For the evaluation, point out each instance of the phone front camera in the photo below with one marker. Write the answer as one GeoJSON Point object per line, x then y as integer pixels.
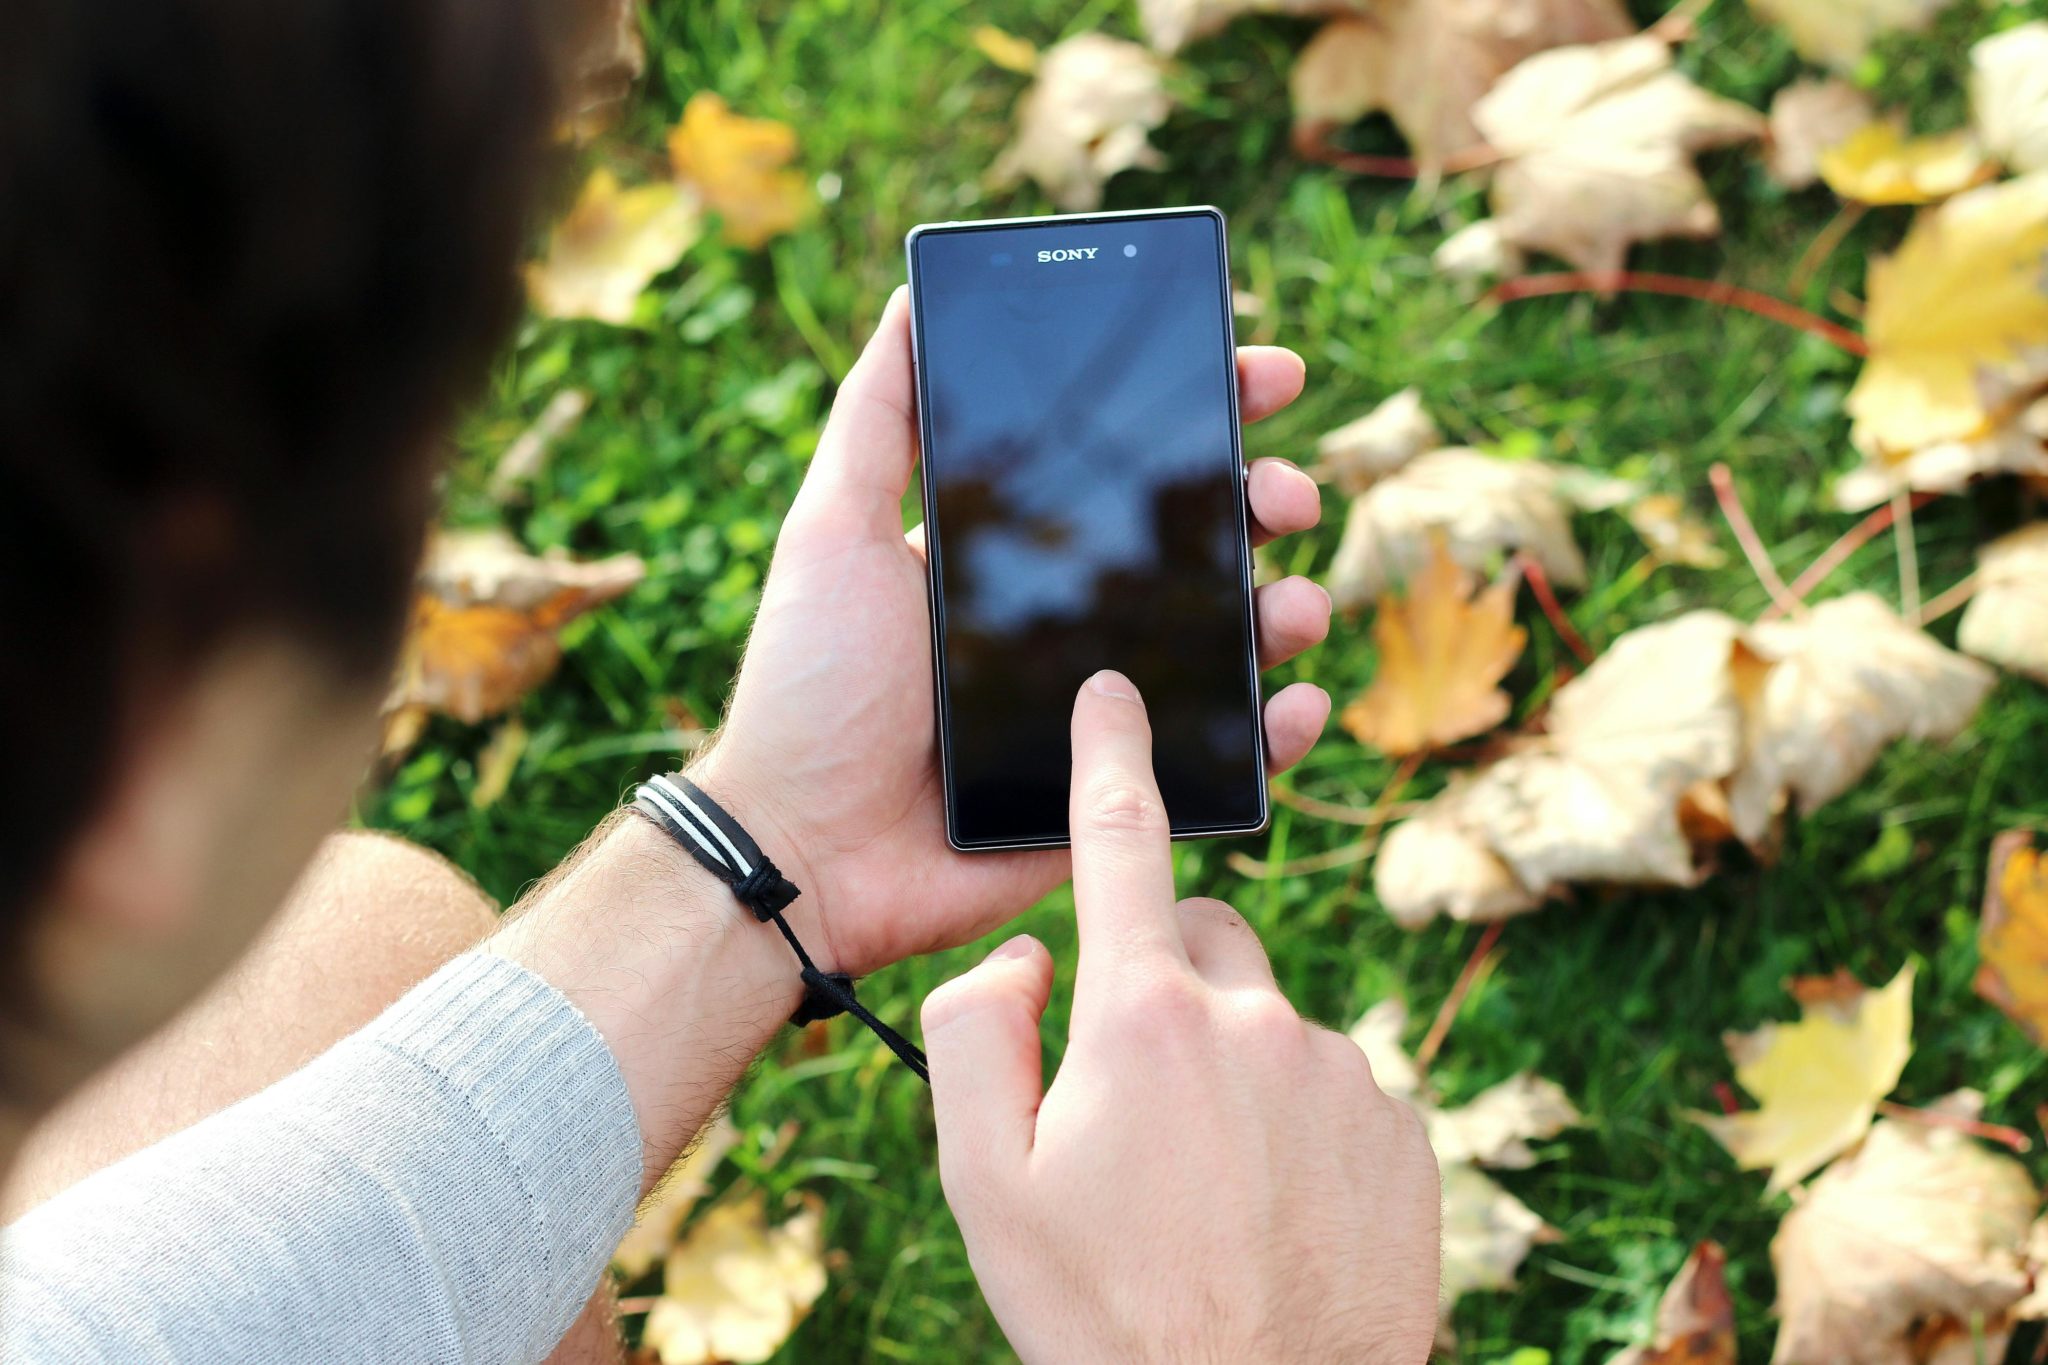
{"type": "Point", "coordinates": [1130, 248]}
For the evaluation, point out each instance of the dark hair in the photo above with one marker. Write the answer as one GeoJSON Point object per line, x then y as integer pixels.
{"type": "Point", "coordinates": [252, 254]}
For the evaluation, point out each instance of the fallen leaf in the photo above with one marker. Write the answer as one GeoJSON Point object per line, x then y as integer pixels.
{"type": "Point", "coordinates": [2012, 942]}
{"type": "Point", "coordinates": [1443, 650]}
{"type": "Point", "coordinates": [1673, 534]}
{"type": "Point", "coordinates": [1434, 863]}
{"type": "Point", "coordinates": [1497, 1125]}
{"type": "Point", "coordinates": [1171, 24]}
{"type": "Point", "coordinates": [1085, 118]}
{"type": "Point", "coordinates": [661, 1214]}
{"type": "Point", "coordinates": [1479, 505]}
{"type": "Point", "coordinates": [1428, 62]}
{"type": "Point", "coordinates": [2009, 96]}
{"type": "Point", "coordinates": [1842, 682]}
{"type": "Point", "coordinates": [1817, 1081]}
{"type": "Point", "coordinates": [484, 624]}
{"type": "Point", "coordinates": [1006, 50]}
{"type": "Point", "coordinates": [606, 56]}
{"type": "Point", "coordinates": [1838, 33]}
{"type": "Point", "coordinates": [1880, 164]}
{"type": "Point", "coordinates": [1695, 1318]}
{"type": "Point", "coordinates": [1478, 251]}
{"type": "Point", "coordinates": [613, 242]}
{"type": "Point", "coordinates": [1597, 144]}
{"type": "Point", "coordinates": [1957, 321]}
{"type": "Point", "coordinates": [1362, 452]}
{"type": "Point", "coordinates": [496, 763]}
{"type": "Point", "coordinates": [2006, 621]}
{"type": "Point", "coordinates": [735, 1287]}
{"type": "Point", "coordinates": [741, 167]}
{"type": "Point", "coordinates": [1487, 1234]}
{"type": "Point", "coordinates": [524, 458]}
{"type": "Point", "coordinates": [1378, 1035]}
{"type": "Point", "coordinates": [2017, 444]}
{"type": "Point", "coordinates": [1920, 1224]}
{"type": "Point", "coordinates": [1808, 117]}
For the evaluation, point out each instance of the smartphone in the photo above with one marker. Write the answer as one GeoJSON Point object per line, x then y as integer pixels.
{"type": "Point", "coordinates": [1084, 502]}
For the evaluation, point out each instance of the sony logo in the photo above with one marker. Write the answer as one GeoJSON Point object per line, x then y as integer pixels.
{"type": "Point", "coordinates": [1079, 253]}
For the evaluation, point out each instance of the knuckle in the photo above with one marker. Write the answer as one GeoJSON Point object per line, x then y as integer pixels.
{"type": "Point", "coordinates": [1168, 1007]}
{"type": "Point", "coordinates": [951, 1000]}
{"type": "Point", "coordinates": [1268, 1018]}
{"type": "Point", "coordinates": [1121, 805]}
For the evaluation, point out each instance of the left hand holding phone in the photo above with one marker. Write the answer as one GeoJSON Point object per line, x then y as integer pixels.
{"type": "Point", "coordinates": [1209, 1176]}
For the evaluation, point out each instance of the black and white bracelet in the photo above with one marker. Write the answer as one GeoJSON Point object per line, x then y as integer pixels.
{"type": "Point", "coordinates": [681, 809]}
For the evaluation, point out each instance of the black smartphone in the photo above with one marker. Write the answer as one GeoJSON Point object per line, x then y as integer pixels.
{"type": "Point", "coordinates": [1084, 500]}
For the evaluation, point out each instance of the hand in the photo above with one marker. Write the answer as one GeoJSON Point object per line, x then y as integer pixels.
{"type": "Point", "coordinates": [1209, 1177]}
{"type": "Point", "coordinates": [829, 753]}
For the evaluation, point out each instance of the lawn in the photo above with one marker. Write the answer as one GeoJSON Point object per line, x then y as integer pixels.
{"type": "Point", "coordinates": [699, 429]}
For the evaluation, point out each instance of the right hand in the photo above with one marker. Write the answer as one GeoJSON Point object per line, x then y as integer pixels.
{"type": "Point", "coordinates": [1209, 1177]}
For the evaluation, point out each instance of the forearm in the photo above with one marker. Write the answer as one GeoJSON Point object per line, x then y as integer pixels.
{"type": "Point", "coordinates": [677, 976]}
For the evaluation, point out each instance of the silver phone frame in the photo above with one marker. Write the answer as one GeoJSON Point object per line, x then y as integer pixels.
{"type": "Point", "coordinates": [934, 600]}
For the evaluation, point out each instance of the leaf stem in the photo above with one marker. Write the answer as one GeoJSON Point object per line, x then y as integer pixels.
{"type": "Point", "coordinates": [1440, 1027]}
{"type": "Point", "coordinates": [1941, 604]}
{"type": "Point", "coordinates": [1990, 1132]}
{"type": "Point", "coordinates": [1338, 813]}
{"type": "Point", "coordinates": [1851, 540]}
{"type": "Point", "coordinates": [1539, 584]}
{"type": "Point", "coordinates": [1382, 810]}
{"type": "Point", "coordinates": [1824, 245]}
{"type": "Point", "coordinates": [1909, 555]}
{"type": "Point", "coordinates": [1312, 142]}
{"type": "Point", "coordinates": [1752, 544]}
{"type": "Point", "coordinates": [1684, 287]}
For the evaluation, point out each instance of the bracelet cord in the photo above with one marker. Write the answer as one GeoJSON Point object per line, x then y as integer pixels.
{"type": "Point", "coordinates": [682, 810]}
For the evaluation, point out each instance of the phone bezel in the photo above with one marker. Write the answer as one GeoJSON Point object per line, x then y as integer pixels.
{"type": "Point", "coordinates": [934, 571]}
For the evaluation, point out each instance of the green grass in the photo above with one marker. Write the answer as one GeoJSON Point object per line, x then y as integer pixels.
{"type": "Point", "coordinates": [700, 427]}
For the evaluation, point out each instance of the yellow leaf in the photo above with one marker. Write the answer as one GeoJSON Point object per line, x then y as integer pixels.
{"type": "Point", "coordinates": [484, 623]}
{"type": "Point", "coordinates": [1838, 33]}
{"type": "Point", "coordinates": [612, 243]}
{"type": "Point", "coordinates": [1695, 1318]}
{"type": "Point", "coordinates": [1006, 50]}
{"type": "Point", "coordinates": [1880, 164]}
{"type": "Point", "coordinates": [496, 764]}
{"type": "Point", "coordinates": [1807, 118]}
{"type": "Point", "coordinates": [2009, 95]}
{"type": "Point", "coordinates": [1673, 534]}
{"type": "Point", "coordinates": [1957, 321]}
{"type": "Point", "coordinates": [1919, 1227]}
{"type": "Point", "coordinates": [1443, 651]}
{"type": "Point", "coordinates": [734, 1288]}
{"type": "Point", "coordinates": [2006, 622]}
{"type": "Point", "coordinates": [1084, 119]}
{"type": "Point", "coordinates": [661, 1213]}
{"type": "Point", "coordinates": [741, 167]}
{"type": "Point", "coordinates": [1817, 1081]}
{"type": "Point", "coordinates": [2013, 941]}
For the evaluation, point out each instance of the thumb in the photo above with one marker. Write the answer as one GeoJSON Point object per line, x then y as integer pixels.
{"type": "Point", "coordinates": [869, 446]}
{"type": "Point", "coordinates": [981, 1039]}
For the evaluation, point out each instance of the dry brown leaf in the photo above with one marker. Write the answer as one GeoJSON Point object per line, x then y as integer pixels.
{"type": "Point", "coordinates": [661, 1213]}
{"type": "Point", "coordinates": [1695, 1318]}
{"type": "Point", "coordinates": [1428, 62]}
{"type": "Point", "coordinates": [1881, 164]}
{"type": "Point", "coordinates": [1481, 506]}
{"type": "Point", "coordinates": [1918, 1224]}
{"type": "Point", "coordinates": [1496, 1126]}
{"type": "Point", "coordinates": [1085, 118]}
{"type": "Point", "coordinates": [612, 243]}
{"type": "Point", "coordinates": [1378, 1035]}
{"type": "Point", "coordinates": [1837, 33]}
{"type": "Point", "coordinates": [1807, 118]}
{"type": "Point", "coordinates": [741, 168]}
{"type": "Point", "coordinates": [1362, 452]}
{"type": "Point", "coordinates": [1673, 534]}
{"type": "Point", "coordinates": [1817, 1081]}
{"type": "Point", "coordinates": [527, 455]}
{"type": "Point", "coordinates": [484, 625]}
{"type": "Point", "coordinates": [735, 1287]}
{"type": "Point", "coordinates": [1434, 863]}
{"type": "Point", "coordinates": [1443, 650]}
{"type": "Point", "coordinates": [496, 762]}
{"type": "Point", "coordinates": [605, 57]}
{"type": "Point", "coordinates": [1172, 24]}
{"type": "Point", "coordinates": [1487, 1234]}
{"type": "Point", "coordinates": [2006, 622]}
{"type": "Point", "coordinates": [1478, 251]}
{"type": "Point", "coordinates": [1597, 144]}
{"type": "Point", "coordinates": [1843, 681]}
{"type": "Point", "coordinates": [2012, 942]}
{"type": "Point", "coordinates": [2009, 96]}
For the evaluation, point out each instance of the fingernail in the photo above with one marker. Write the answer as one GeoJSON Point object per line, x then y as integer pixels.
{"type": "Point", "coordinates": [1020, 946]}
{"type": "Point", "coordinates": [1110, 683]}
{"type": "Point", "coordinates": [1329, 604]}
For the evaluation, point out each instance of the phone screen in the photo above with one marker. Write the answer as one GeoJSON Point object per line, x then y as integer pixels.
{"type": "Point", "coordinates": [1085, 509]}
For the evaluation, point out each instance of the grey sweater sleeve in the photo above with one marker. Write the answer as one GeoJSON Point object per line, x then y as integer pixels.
{"type": "Point", "coordinates": [445, 1185]}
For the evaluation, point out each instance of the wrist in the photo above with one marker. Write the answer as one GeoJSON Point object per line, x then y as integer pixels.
{"type": "Point", "coordinates": [780, 833]}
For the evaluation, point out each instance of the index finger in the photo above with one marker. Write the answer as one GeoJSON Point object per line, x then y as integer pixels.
{"type": "Point", "coordinates": [1123, 862]}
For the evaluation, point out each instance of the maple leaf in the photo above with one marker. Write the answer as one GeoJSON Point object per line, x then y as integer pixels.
{"type": "Point", "coordinates": [1443, 650]}
{"type": "Point", "coordinates": [1478, 251]}
{"type": "Point", "coordinates": [605, 56]}
{"type": "Point", "coordinates": [1673, 534]}
{"type": "Point", "coordinates": [612, 243]}
{"type": "Point", "coordinates": [1808, 117]}
{"type": "Point", "coordinates": [1880, 164]}
{"type": "Point", "coordinates": [1597, 143]}
{"type": "Point", "coordinates": [1362, 452]}
{"type": "Point", "coordinates": [660, 1217]}
{"type": "Point", "coordinates": [735, 1287]}
{"type": "Point", "coordinates": [1817, 1081]}
{"type": "Point", "coordinates": [1085, 118]}
{"type": "Point", "coordinates": [2016, 444]}
{"type": "Point", "coordinates": [1477, 504]}
{"type": "Point", "coordinates": [1496, 1126]}
{"type": "Point", "coordinates": [741, 168]}
{"type": "Point", "coordinates": [2009, 95]}
{"type": "Point", "coordinates": [1695, 1318]}
{"type": "Point", "coordinates": [2012, 942]}
{"type": "Point", "coordinates": [1838, 33]}
{"type": "Point", "coordinates": [1378, 1035]}
{"type": "Point", "coordinates": [1957, 321]}
{"type": "Point", "coordinates": [1428, 62]}
{"type": "Point", "coordinates": [484, 625]}
{"type": "Point", "coordinates": [1839, 684]}
{"type": "Point", "coordinates": [2006, 621]}
{"type": "Point", "coordinates": [1918, 1227]}
{"type": "Point", "coordinates": [1171, 24]}
{"type": "Point", "coordinates": [1487, 1234]}
{"type": "Point", "coordinates": [1435, 863]}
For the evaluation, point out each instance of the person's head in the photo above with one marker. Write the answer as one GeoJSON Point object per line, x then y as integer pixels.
{"type": "Point", "coordinates": [251, 256]}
